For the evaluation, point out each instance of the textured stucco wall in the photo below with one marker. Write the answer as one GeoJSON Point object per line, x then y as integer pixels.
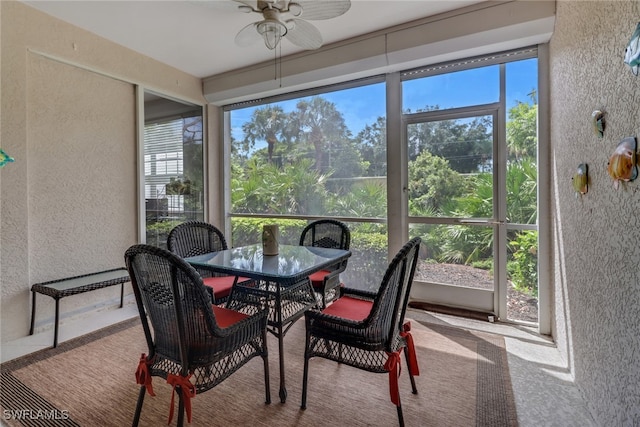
{"type": "Point", "coordinates": [597, 236]}
{"type": "Point", "coordinates": [68, 203]}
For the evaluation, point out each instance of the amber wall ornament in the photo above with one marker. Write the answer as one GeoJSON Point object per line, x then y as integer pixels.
{"type": "Point", "coordinates": [581, 179]}
{"type": "Point", "coordinates": [597, 120]}
{"type": "Point", "coordinates": [623, 164]}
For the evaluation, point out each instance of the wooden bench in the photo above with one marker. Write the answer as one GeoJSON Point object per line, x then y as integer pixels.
{"type": "Point", "coordinates": [58, 289]}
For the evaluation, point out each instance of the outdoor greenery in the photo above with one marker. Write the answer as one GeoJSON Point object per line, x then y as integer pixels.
{"type": "Point", "coordinates": [312, 165]}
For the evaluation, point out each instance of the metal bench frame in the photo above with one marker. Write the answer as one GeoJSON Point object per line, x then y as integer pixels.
{"type": "Point", "coordinates": [86, 283]}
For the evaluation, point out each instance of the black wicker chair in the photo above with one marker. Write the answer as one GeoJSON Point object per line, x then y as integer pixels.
{"type": "Point", "coordinates": [193, 344]}
{"type": "Point", "coordinates": [193, 238]}
{"type": "Point", "coordinates": [327, 233]}
{"type": "Point", "coordinates": [367, 330]}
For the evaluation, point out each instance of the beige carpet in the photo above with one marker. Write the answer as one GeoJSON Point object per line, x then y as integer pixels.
{"type": "Point", "coordinates": [90, 381]}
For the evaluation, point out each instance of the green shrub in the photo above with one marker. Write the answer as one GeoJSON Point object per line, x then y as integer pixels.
{"type": "Point", "coordinates": [523, 268]}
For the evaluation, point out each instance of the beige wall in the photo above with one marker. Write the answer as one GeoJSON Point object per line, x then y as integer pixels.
{"type": "Point", "coordinates": [596, 237]}
{"type": "Point", "coordinates": [68, 203]}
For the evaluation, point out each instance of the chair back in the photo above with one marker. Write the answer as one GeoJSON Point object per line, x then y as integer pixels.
{"type": "Point", "coordinates": [193, 238]}
{"type": "Point", "coordinates": [390, 304]}
{"type": "Point", "coordinates": [170, 294]}
{"type": "Point", "coordinates": [326, 233]}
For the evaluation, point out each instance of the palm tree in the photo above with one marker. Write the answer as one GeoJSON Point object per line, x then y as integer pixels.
{"type": "Point", "coordinates": [317, 121]}
{"type": "Point", "coordinates": [267, 124]}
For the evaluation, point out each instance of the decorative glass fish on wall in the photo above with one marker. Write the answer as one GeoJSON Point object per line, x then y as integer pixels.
{"type": "Point", "coordinates": [632, 52]}
{"type": "Point", "coordinates": [581, 179]}
{"type": "Point", "coordinates": [623, 162]}
{"type": "Point", "coordinates": [597, 120]}
{"type": "Point", "coordinates": [5, 158]}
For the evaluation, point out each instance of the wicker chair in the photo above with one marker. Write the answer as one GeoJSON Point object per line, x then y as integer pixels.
{"type": "Point", "coordinates": [327, 233]}
{"type": "Point", "coordinates": [367, 330]}
{"type": "Point", "coordinates": [193, 344]}
{"type": "Point", "coordinates": [193, 238]}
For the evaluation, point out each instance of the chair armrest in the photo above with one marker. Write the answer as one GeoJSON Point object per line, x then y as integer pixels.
{"type": "Point", "coordinates": [315, 315]}
{"type": "Point", "coordinates": [358, 293]}
{"type": "Point", "coordinates": [332, 279]}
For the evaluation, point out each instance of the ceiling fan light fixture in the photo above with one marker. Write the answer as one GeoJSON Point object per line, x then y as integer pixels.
{"type": "Point", "coordinates": [271, 31]}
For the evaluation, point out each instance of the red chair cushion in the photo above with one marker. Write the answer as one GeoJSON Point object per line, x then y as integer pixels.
{"type": "Point", "coordinates": [222, 285]}
{"type": "Point", "coordinates": [349, 308]}
{"type": "Point", "coordinates": [317, 278]}
{"type": "Point", "coordinates": [226, 317]}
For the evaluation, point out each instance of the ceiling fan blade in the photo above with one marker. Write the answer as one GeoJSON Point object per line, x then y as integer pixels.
{"type": "Point", "coordinates": [322, 9]}
{"type": "Point", "coordinates": [226, 5]}
{"type": "Point", "coordinates": [248, 35]}
{"type": "Point", "coordinates": [251, 3]}
{"type": "Point", "coordinates": [303, 34]}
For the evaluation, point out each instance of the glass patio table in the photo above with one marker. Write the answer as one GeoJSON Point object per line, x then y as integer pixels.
{"type": "Point", "coordinates": [280, 281]}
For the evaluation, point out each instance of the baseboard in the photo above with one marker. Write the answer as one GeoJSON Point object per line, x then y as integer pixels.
{"type": "Point", "coordinates": [453, 311]}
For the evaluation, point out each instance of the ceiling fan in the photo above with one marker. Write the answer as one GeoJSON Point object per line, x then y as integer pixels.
{"type": "Point", "coordinates": [287, 18]}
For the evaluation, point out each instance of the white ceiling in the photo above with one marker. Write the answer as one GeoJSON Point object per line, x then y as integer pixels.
{"type": "Point", "coordinates": [199, 39]}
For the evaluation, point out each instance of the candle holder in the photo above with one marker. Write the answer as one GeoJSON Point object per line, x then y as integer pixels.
{"type": "Point", "coordinates": [270, 236]}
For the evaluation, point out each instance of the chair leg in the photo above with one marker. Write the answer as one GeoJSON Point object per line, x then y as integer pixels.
{"type": "Point", "coordinates": [400, 417]}
{"type": "Point", "coordinates": [136, 417]}
{"type": "Point", "coordinates": [265, 359]}
{"type": "Point", "coordinates": [414, 389]}
{"type": "Point", "coordinates": [180, 407]}
{"type": "Point", "coordinates": [305, 375]}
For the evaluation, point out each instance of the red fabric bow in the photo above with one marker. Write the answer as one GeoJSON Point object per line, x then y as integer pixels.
{"type": "Point", "coordinates": [393, 367]}
{"type": "Point", "coordinates": [393, 364]}
{"type": "Point", "coordinates": [143, 376]}
{"type": "Point", "coordinates": [188, 391]}
{"type": "Point", "coordinates": [413, 358]}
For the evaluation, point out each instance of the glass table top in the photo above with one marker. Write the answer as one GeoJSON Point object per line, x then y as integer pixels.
{"type": "Point", "coordinates": [291, 262]}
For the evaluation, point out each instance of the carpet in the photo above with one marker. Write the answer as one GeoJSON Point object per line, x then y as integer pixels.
{"type": "Point", "coordinates": [464, 381]}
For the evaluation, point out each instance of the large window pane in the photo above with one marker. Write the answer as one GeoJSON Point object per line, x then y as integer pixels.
{"type": "Point", "coordinates": [315, 156]}
{"type": "Point", "coordinates": [173, 168]}
{"type": "Point", "coordinates": [522, 178]}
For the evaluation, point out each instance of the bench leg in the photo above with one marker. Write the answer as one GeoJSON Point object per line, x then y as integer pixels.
{"type": "Point", "coordinates": [121, 294]}
{"type": "Point", "coordinates": [33, 312]}
{"type": "Point", "coordinates": [55, 327]}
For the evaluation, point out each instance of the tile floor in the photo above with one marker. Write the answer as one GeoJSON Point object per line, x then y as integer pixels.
{"type": "Point", "coordinates": [544, 391]}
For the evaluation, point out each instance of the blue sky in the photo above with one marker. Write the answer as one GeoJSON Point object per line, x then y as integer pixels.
{"type": "Point", "coordinates": [362, 106]}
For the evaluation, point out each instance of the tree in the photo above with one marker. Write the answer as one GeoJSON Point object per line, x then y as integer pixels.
{"type": "Point", "coordinates": [267, 124]}
{"type": "Point", "coordinates": [318, 122]}
{"type": "Point", "coordinates": [432, 183]}
{"type": "Point", "coordinates": [522, 135]}
{"type": "Point", "coordinates": [372, 141]}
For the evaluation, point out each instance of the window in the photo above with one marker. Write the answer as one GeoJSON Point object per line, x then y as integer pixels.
{"type": "Point", "coordinates": [470, 129]}
{"type": "Point", "coordinates": [472, 165]}
{"type": "Point", "coordinates": [323, 155]}
{"type": "Point", "coordinates": [173, 168]}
